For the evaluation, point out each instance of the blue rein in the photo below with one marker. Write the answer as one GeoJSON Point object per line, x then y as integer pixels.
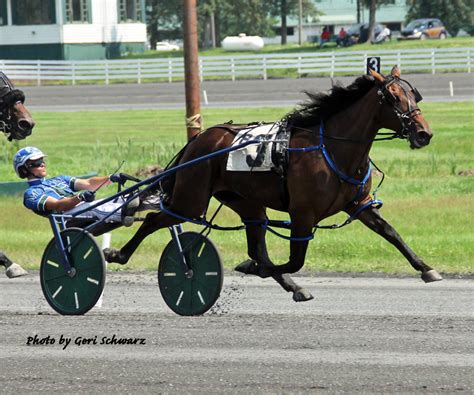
{"type": "Point", "coordinates": [266, 224]}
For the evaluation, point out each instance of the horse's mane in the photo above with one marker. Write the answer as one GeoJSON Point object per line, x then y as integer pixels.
{"type": "Point", "coordinates": [321, 106]}
{"type": "Point", "coordinates": [5, 84]}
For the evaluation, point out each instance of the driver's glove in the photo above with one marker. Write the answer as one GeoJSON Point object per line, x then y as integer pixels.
{"type": "Point", "coordinates": [86, 196]}
{"type": "Point", "coordinates": [118, 177]}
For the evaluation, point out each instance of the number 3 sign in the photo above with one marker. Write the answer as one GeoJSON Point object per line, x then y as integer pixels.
{"type": "Point", "coordinates": [373, 63]}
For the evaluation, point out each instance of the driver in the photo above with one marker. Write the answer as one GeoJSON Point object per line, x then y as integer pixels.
{"type": "Point", "coordinates": [62, 194]}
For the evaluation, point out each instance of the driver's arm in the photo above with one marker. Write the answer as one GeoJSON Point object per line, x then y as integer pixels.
{"type": "Point", "coordinates": [91, 184]}
{"type": "Point", "coordinates": [61, 205]}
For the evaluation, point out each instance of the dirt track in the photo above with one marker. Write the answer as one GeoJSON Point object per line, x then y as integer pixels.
{"type": "Point", "coordinates": [358, 334]}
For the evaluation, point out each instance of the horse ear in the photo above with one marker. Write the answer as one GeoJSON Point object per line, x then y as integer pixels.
{"type": "Point", "coordinates": [395, 72]}
{"type": "Point", "coordinates": [378, 77]}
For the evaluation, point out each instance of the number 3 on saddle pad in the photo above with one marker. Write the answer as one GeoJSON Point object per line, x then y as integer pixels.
{"type": "Point", "coordinates": [74, 295]}
{"type": "Point", "coordinates": [196, 293]}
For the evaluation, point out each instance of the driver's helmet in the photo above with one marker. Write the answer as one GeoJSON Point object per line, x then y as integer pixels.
{"type": "Point", "coordinates": [22, 156]}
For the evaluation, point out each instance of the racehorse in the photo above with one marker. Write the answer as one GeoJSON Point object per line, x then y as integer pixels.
{"type": "Point", "coordinates": [16, 123]}
{"type": "Point", "coordinates": [15, 119]}
{"type": "Point", "coordinates": [328, 171]}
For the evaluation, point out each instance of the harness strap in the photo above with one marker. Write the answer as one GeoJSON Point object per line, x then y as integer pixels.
{"type": "Point", "coordinates": [267, 224]}
{"type": "Point", "coordinates": [350, 180]}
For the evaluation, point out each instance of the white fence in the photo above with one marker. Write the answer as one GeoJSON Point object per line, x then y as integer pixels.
{"type": "Point", "coordinates": [232, 67]}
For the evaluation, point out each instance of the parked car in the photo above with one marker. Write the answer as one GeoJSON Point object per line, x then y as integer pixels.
{"type": "Point", "coordinates": [424, 28]}
{"type": "Point", "coordinates": [166, 46]}
{"type": "Point", "coordinates": [358, 33]}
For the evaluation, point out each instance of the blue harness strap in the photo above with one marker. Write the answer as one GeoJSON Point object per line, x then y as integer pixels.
{"type": "Point", "coordinates": [350, 180]}
{"type": "Point", "coordinates": [267, 224]}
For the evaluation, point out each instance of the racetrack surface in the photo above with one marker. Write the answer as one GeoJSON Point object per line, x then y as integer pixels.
{"type": "Point", "coordinates": [361, 334]}
{"type": "Point", "coordinates": [222, 94]}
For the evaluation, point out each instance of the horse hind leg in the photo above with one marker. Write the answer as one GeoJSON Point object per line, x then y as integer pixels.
{"type": "Point", "coordinates": [257, 251]}
{"type": "Point", "coordinates": [257, 248]}
{"type": "Point", "coordinates": [374, 221]}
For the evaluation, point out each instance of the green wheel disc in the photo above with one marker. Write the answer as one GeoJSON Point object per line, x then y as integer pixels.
{"type": "Point", "coordinates": [73, 295]}
{"type": "Point", "coordinates": [195, 295]}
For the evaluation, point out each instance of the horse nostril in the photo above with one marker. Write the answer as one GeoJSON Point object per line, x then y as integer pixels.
{"type": "Point", "coordinates": [25, 125]}
{"type": "Point", "coordinates": [424, 137]}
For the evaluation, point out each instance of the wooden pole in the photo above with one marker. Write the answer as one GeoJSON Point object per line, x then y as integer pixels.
{"type": "Point", "coordinates": [191, 70]}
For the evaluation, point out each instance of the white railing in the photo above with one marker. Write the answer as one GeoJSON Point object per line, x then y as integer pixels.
{"type": "Point", "coordinates": [232, 67]}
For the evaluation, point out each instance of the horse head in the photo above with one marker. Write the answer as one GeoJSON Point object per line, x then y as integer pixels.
{"type": "Point", "coordinates": [401, 98]}
{"type": "Point", "coordinates": [15, 119]}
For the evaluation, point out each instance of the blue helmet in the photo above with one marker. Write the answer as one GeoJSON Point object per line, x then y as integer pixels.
{"type": "Point", "coordinates": [23, 155]}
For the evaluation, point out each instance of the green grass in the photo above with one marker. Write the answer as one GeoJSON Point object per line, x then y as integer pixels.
{"type": "Point", "coordinates": [425, 199]}
{"type": "Point", "coordinates": [274, 49]}
{"type": "Point", "coordinates": [314, 47]}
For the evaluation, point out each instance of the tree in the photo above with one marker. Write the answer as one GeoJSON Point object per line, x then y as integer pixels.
{"type": "Point", "coordinates": [372, 9]}
{"type": "Point", "coordinates": [372, 5]}
{"type": "Point", "coordinates": [289, 8]}
{"type": "Point", "coordinates": [234, 17]}
{"type": "Point", "coordinates": [455, 14]}
{"type": "Point", "coordinates": [163, 15]}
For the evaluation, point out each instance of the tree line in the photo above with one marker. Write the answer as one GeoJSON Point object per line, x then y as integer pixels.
{"type": "Point", "coordinates": [221, 18]}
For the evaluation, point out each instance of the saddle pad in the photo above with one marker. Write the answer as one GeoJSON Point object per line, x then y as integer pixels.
{"type": "Point", "coordinates": [254, 157]}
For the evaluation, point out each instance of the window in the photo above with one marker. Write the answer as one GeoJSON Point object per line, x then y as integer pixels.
{"type": "Point", "coordinates": [3, 12]}
{"type": "Point", "coordinates": [130, 10]}
{"type": "Point", "coordinates": [33, 12]}
{"type": "Point", "coordinates": [77, 11]}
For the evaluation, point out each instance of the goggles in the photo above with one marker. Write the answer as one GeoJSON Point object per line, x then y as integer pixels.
{"type": "Point", "coordinates": [34, 163]}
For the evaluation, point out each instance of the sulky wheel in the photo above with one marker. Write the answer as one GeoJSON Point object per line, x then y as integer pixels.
{"type": "Point", "coordinates": [197, 294]}
{"type": "Point", "coordinates": [78, 294]}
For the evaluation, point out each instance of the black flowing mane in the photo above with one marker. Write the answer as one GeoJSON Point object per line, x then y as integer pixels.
{"type": "Point", "coordinates": [322, 106]}
{"type": "Point", "coordinates": [5, 84]}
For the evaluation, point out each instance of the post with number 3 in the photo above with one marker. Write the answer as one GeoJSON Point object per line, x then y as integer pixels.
{"type": "Point", "coordinates": [373, 62]}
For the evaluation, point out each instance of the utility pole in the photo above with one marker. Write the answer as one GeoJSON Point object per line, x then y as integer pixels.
{"type": "Point", "coordinates": [300, 22]}
{"type": "Point", "coordinates": [191, 70]}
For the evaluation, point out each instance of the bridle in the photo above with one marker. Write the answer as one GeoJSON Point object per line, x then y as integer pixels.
{"type": "Point", "coordinates": [405, 117]}
{"type": "Point", "coordinates": [9, 97]}
{"type": "Point", "coordinates": [385, 96]}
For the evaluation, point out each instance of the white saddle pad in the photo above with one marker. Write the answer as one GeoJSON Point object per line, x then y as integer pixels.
{"type": "Point", "coordinates": [253, 157]}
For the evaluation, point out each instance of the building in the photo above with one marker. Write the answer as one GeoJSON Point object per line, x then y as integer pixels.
{"type": "Point", "coordinates": [71, 29]}
{"type": "Point", "coordinates": [343, 13]}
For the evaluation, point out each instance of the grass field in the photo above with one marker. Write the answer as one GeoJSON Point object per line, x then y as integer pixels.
{"type": "Point", "coordinates": [425, 198]}
{"type": "Point", "coordinates": [314, 47]}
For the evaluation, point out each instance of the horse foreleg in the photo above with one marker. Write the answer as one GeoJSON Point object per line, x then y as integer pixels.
{"type": "Point", "coordinates": [373, 220]}
{"type": "Point", "coordinates": [152, 223]}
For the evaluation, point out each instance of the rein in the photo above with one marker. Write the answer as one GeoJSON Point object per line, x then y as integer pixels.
{"type": "Point", "coordinates": [406, 121]}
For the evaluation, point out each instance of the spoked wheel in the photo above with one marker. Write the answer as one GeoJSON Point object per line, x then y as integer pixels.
{"type": "Point", "coordinates": [195, 294]}
{"type": "Point", "coordinates": [78, 294]}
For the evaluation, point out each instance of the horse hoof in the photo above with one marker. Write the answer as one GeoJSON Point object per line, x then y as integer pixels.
{"type": "Point", "coordinates": [15, 270]}
{"type": "Point", "coordinates": [112, 255]}
{"type": "Point", "coordinates": [302, 295]}
{"type": "Point", "coordinates": [247, 267]}
{"type": "Point", "coordinates": [430, 276]}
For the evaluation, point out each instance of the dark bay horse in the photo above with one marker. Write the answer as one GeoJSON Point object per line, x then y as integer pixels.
{"type": "Point", "coordinates": [15, 119]}
{"type": "Point", "coordinates": [332, 176]}
{"type": "Point", "coordinates": [16, 123]}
